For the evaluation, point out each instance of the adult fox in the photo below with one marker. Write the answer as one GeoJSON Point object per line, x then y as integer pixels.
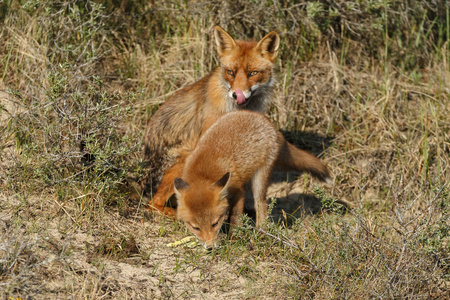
{"type": "Point", "coordinates": [244, 80]}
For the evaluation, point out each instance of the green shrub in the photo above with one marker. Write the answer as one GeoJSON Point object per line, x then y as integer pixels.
{"type": "Point", "coordinates": [74, 138]}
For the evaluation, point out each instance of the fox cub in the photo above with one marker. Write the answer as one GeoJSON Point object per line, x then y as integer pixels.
{"type": "Point", "coordinates": [240, 147]}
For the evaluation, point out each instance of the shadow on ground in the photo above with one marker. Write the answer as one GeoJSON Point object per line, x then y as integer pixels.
{"type": "Point", "coordinates": [309, 141]}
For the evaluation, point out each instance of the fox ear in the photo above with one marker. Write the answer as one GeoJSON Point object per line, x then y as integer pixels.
{"type": "Point", "coordinates": [224, 41]}
{"type": "Point", "coordinates": [269, 44]}
{"type": "Point", "coordinates": [180, 185]}
{"type": "Point", "coordinates": [223, 183]}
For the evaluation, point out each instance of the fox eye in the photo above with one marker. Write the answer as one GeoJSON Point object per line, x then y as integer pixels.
{"type": "Point", "coordinates": [252, 73]}
{"type": "Point", "coordinates": [193, 227]}
{"type": "Point", "coordinates": [229, 72]}
{"type": "Point", "coordinates": [215, 224]}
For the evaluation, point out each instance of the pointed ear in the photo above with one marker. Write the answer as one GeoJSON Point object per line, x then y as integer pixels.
{"type": "Point", "coordinates": [269, 44]}
{"type": "Point", "coordinates": [223, 184]}
{"type": "Point", "coordinates": [225, 43]}
{"type": "Point", "coordinates": [180, 185]}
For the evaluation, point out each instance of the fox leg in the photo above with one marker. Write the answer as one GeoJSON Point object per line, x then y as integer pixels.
{"type": "Point", "coordinates": [237, 210]}
{"type": "Point", "coordinates": [291, 158]}
{"type": "Point", "coordinates": [166, 190]}
{"type": "Point", "coordinates": [259, 188]}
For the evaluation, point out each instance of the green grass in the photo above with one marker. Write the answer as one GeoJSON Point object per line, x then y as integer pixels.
{"type": "Point", "coordinates": [363, 83]}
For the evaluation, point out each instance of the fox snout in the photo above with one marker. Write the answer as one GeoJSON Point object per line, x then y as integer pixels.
{"type": "Point", "coordinates": [210, 245]}
{"type": "Point", "coordinates": [240, 96]}
{"type": "Point", "coordinates": [208, 239]}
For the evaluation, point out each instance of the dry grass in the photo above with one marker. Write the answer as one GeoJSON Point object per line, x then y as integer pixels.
{"type": "Point", "coordinates": [364, 84]}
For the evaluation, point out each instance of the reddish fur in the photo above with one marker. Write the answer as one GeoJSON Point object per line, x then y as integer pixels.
{"type": "Point", "coordinates": [191, 111]}
{"type": "Point", "coordinates": [247, 153]}
{"type": "Point", "coordinates": [185, 117]}
{"type": "Point", "coordinates": [226, 158]}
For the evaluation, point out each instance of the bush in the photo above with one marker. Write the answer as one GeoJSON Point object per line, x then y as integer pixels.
{"type": "Point", "coordinates": [73, 137]}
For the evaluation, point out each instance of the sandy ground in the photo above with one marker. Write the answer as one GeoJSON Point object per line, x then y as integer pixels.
{"type": "Point", "coordinates": [55, 258]}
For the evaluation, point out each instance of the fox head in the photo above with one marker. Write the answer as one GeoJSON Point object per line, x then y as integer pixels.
{"type": "Point", "coordinates": [203, 207]}
{"type": "Point", "coordinates": [246, 65]}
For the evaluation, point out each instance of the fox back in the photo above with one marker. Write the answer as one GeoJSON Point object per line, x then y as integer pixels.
{"type": "Point", "coordinates": [240, 143]}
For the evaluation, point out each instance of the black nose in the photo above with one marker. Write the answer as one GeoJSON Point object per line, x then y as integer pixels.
{"type": "Point", "coordinates": [234, 95]}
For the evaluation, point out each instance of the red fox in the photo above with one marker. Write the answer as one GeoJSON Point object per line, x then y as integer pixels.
{"type": "Point", "coordinates": [243, 81]}
{"type": "Point", "coordinates": [240, 147]}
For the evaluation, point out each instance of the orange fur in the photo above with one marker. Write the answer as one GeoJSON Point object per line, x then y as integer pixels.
{"type": "Point", "coordinates": [192, 110]}
{"type": "Point", "coordinates": [240, 147]}
{"type": "Point", "coordinates": [174, 130]}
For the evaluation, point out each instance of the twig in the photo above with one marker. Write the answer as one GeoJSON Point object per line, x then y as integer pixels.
{"type": "Point", "coordinates": [62, 207]}
{"type": "Point", "coordinates": [288, 243]}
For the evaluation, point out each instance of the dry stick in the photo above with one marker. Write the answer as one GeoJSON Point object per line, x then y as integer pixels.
{"type": "Point", "coordinates": [277, 238]}
{"type": "Point", "coordinates": [62, 207]}
{"type": "Point", "coordinates": [296, 270]}
{"type": "Point", "coordinates": [284, 242]}
{"type": "Point", "coordinates": [13, 264]}
{"type": "Point", "coordinates": [316, 268]}
{"type": "Point", "coordinates": [76, 174]}
{"type": "Point", "coordinates": [141, 199]}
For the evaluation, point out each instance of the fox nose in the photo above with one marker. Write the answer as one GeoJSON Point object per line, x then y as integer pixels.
{"type": "Point", "coordinates": [239, 94]}
{"type": "Point", "coordinates": [209, 245]}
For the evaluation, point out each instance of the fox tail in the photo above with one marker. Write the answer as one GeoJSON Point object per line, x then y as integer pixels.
{"type": "Point", "coordinates": [293, 159]}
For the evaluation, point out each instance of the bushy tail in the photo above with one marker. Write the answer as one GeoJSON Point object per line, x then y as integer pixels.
{"type": "Point", "coordinates": [293, 159]}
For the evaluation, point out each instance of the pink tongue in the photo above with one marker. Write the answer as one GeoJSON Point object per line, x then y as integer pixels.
{"type": "Point", "coordinates": [240, 98]}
